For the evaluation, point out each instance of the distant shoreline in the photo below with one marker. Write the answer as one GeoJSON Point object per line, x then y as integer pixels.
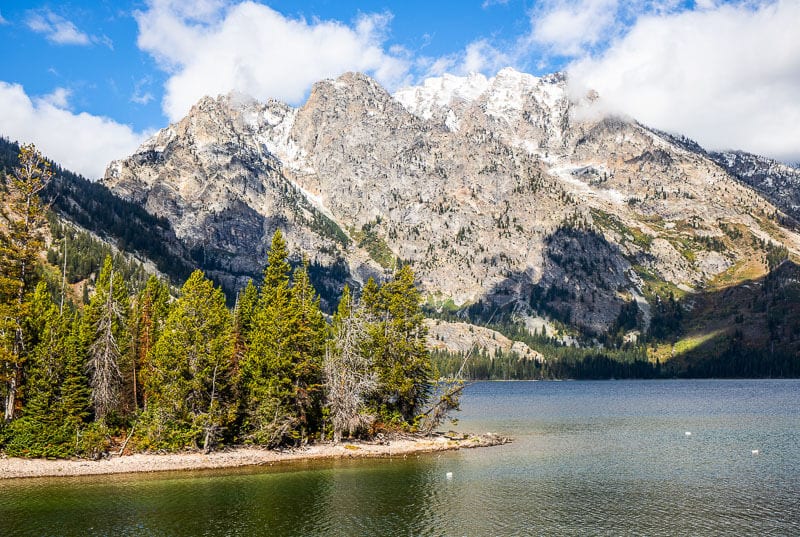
{"type": "Point", "coordinates": [19, 468]}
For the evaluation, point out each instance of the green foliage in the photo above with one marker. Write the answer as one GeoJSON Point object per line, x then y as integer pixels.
{"type": "Point", "coordinates": [282, 365]}
{"type": "Point", "coordinates": [86, 254]}
{"type": "Point", "coordinates": [397, 344]}
{"type": "Point", "coordinates": [151, 308]}
{"type": "Point", "coordinates": [605, 220]}
{"type": "Point", "coordinates": [776, 254]}
{"type": "Point", "coordinates": [20, 244]}
{"type": "Point", "coordinates": [368, 239]}
{"type": "Point", "coordinates": [189, 390]}
{"type": "Point", "coordinates": [56, 395]}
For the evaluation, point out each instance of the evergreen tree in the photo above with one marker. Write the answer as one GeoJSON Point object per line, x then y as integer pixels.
{"type": "Point", "coordinates": [308, 335]}
{"type": "Point", "coordinates": [397, 343]}
{"type": "Point", "coordinates": [150, 313]}
{"type": "Point", "coordinates": [281, 370]}
{"type": "Point", "coordinates": [276, 273]}
{"type": "Point", "coordinates": [107, 339]}
{"type": "Point", "coordinates": [243, 313]}
{"type": "Point", "coordinates": [56, 392]}
{"type": "Point", "coordinates": [188, 391]}
{"type": "Point", "coordinates": [23, 213]}
{"type": "Point", "coordinates": [266, 368]}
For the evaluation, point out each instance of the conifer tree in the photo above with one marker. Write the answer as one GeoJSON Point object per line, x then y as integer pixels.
{"type": "Point", "coordinates": [281, 370]}
{"type": "Point", "coordinates": [55, 391]}
{"type": "Point", "coordinates": [107, 339]}
{"type": "Point", "coordinates": [266, 368]}
{"type": "Point", "coordinates": [397, 343]}
{"type": "Point", "coordinates": [243, 313]}
{"type": "Point", "coordinates": [308, 336]}
{"type": "Point", "coordinates": [189, 391]}
{"type": "Point", "coordinates": [24, 217]}
{"type": "Point", "coordinates": [150, 313]}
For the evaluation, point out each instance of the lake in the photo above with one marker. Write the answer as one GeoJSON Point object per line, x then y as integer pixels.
{"type": "Point", "coordinates": [588, 458]}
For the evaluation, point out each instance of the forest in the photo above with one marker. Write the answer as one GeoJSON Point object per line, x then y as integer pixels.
{"type": "Point", "coordinates": [147, 370]}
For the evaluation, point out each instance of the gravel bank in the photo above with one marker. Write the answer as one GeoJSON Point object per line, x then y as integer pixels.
{"type": "Point", "coordinates": [233, 457]}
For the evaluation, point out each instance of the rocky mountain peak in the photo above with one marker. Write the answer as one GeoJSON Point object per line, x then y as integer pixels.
{"type": "Point", "coordinates": [491, 188]}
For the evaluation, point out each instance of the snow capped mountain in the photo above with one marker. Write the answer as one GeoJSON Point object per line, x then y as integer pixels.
{"type": "Point", "coordinates": [503, 97]}
{"type": "Point", "coordinates": [439, 92]}
{"type": "Point", "coordinates": [491, 188]}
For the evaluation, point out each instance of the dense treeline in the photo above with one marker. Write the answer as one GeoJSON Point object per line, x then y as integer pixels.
{"type": "Point", "coordinates": [150, 371]}
{"type": "Point", "coordinates": [95, 208]}
{"type": "Point", "coordinates": [564, 363]}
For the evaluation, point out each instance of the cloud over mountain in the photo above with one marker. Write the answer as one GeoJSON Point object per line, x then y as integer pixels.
{"type": "Point", "coordinates": [725, 75]}
{"type": "Point", "coordinates": [254, 49]}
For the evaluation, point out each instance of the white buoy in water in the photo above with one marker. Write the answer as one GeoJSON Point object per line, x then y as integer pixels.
{"type": "Point", "coordinates": [688, 433]}
{"type": "Point", "coordinates": [754, 452]}
{"type": "Point", "coordinates": [449, 475]}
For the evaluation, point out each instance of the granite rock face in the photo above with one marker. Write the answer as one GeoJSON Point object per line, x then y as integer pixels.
{"type": "Point", "coordinates": [503, 190]}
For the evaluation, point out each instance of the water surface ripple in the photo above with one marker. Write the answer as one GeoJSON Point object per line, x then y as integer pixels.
{"type": "Point", "coordinates": [589, 458]}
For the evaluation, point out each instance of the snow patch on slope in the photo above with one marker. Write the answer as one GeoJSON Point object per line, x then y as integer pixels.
{"type": "Point", "coordinates": [439, 92]}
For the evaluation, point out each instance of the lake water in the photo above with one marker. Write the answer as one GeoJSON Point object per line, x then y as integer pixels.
{"type": "Point", "coordinates": [589, 458]}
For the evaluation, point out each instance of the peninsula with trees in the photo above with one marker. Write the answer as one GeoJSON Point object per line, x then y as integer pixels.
{"type": "Point", "coordinates": [161, 370]}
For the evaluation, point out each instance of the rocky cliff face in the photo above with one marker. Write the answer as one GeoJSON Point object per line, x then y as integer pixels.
{"type": "Point", "coordinates": [498, 191]}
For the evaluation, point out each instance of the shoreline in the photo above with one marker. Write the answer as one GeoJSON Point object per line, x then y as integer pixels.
{"type": "Point", "coordinates": [236, 457]}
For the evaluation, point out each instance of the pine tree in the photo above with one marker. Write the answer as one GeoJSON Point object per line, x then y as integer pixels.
{"type": "Point", "coordinates": [281, 370]}
{"type": "Point", "coordinates": [243, 313]}
{"type": "Point", "coordinates": [266, 368]}
{"type": "Point", "coordinates": [150, 313]}
{"type": "Point", "coordinates": [276, 273]}
{"type": "Point", "coordinates": [189, 391]}
{"type": "Point", "coordinates": [55, 390]}
{"type": "Point", "coordinates": [308, 335]}
{"type": "Point", "coordinates": [24, 216]}
{"type": "Point", "coordinates": [397, 343]}
{"type": "Point", "coordinates": [107, 339]}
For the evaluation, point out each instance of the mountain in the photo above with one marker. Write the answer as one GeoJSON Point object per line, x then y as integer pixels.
{"type": "Point", "coordinates": [776, 181]}
{"type": "Point", "coordinates": [506, 196]}
{"type": "Point", "coordinates": [100, 222]}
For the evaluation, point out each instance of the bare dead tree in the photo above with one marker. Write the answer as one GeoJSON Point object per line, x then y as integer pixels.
{"type": "Point", "coordinates": [104, 357]}
{"type": "Point", "coordinates": [349, 377]}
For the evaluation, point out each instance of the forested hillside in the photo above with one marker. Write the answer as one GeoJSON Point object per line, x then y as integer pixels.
{"type": "Point", "coordinates": [144, 370]}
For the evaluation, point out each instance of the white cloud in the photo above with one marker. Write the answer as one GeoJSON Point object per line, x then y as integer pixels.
{"type": "Point", "coordinates": [59, 98]}
{"type": "Point", "coordinates": [491, 3]}
{"type": "Point", "coordinates": [214, 48]}
{"type": "Point", "coordinates": [80, 142]}
{"type": "Point", "coordinates": [567, 27]}
{"type": "Point", "coordinates": [2, 20]}
{"type": "Point", "coordinates": [56, 28]}
{"type": "Point", "coordinates": [726, 76]}
{"type": "Point", "coordinates": [140, 94]}
{"type": "Point", "coordinates": [477, 57]}
{"type": "Point", "coordinates": [142, 98]}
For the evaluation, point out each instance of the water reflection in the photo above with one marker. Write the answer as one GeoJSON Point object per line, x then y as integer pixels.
{"type": "Point", "coordinates": [588, 458]}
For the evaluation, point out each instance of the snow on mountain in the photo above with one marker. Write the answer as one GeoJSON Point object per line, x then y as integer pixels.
{"type": "Point", "coordinates": [439, 92]}
{"type": "Point", "coordinates": [505, 96]}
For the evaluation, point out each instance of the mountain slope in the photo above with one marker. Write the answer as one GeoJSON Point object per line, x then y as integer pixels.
{"type": "Point", "coordinates": [502, 193]}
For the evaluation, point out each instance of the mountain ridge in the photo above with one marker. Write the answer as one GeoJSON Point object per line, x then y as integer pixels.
{"type": "Point", "coordinates": [495, 190]}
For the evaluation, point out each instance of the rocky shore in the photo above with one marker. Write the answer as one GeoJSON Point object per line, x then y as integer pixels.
{"type": "Point", "coordinates": [241, 456]}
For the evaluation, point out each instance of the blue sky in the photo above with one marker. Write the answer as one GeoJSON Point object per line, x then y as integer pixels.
{"type": "Point", "coordinates": [87, 81]}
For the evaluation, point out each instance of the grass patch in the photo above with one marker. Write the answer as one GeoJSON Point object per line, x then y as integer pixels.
{"type": "Point", "coordinates": [746, 269]}
{"type": "Point", "coordinates": [654, 286]}
{"type": "Point", "coordinates": [608, 221]}
{"type": "Point", "coordinates": [368, 239]}
{"type": "Point", "coordinates": [690, 343]}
